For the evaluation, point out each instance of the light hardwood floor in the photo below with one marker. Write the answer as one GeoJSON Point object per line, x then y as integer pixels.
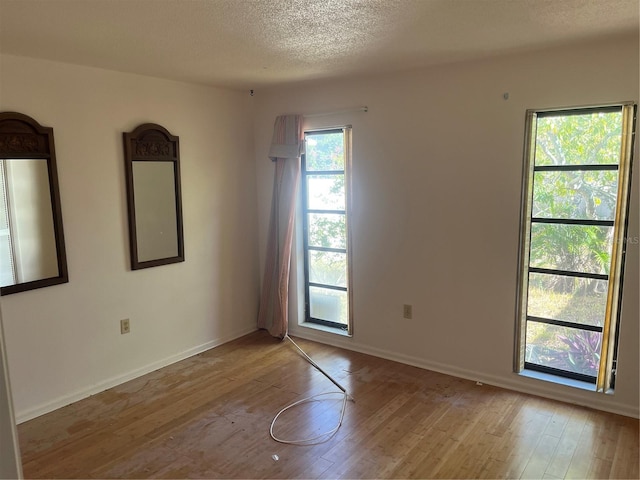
{"type": "Point", "coordinates": [209, 416]}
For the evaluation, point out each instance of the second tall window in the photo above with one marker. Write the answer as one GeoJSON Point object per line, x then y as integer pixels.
{"type": "Point", "coordinates": [325, 201]}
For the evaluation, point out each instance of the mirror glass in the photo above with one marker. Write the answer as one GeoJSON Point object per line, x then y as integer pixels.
{"type": "Point", "coordinates": [153, 196]}
{"type": "Point", "coordinates": [31, 239]}
{"type": "Point", "coordinates": [155, 204]}
{"type": "Point", "coordinates": [27, 238]}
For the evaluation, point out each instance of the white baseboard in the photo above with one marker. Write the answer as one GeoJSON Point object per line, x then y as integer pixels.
{"type": "Point", "coordinates": [64, 400]}
{"type": "Point", "coordinates": [514, 381]}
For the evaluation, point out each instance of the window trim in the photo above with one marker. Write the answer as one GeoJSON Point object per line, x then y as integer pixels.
{"type": "Point", "coordinates": [605, 380]}
{"type": "Point", "coordinates": [608, 358]}
{"type": "Point", "coordinates": [339, 328]}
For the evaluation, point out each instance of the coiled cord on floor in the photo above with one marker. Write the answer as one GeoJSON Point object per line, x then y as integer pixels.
{"type": "Point", "coordinates": [323, 437]}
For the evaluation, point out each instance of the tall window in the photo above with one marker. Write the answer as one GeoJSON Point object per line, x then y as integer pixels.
{"type": "Point", "coordinates": [325, 203]}
{"type": "Point", "coordinates": [575, 202]}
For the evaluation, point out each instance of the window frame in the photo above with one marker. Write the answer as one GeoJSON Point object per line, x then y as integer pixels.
{"type": "Point", "coordinates": [336, 326]}
{"type": "Point", "coordinates": [605, 379]}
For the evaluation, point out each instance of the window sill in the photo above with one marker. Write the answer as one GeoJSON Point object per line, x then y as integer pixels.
{"type": "Point", "coordinates": [325, 328]}
{"type": "Point", "coordinates": [547, 377]}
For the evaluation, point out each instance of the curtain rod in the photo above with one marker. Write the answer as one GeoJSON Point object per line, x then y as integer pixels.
{"type": "Point", "coordinates": [348, 110]}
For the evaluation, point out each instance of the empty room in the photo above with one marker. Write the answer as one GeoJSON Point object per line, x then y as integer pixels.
{"type": "Point", "coordinates": [319, 239]}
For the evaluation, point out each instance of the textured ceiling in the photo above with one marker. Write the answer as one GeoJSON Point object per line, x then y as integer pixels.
{"type": "Point", "coordinates": [257, 43]}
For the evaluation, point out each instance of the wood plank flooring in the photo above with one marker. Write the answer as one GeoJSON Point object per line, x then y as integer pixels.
{"type": "Point", "coordinates": [209, 416]}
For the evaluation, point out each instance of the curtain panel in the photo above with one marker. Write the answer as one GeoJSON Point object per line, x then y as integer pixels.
{"type": "Point", "coordinates": [286, 148]}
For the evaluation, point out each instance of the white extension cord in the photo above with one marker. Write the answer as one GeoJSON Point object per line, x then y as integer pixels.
{"type": "Point", "coordinates": [323, 437]}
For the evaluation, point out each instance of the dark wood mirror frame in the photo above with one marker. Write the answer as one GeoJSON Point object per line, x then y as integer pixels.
{"type": "Point", "coordinates": [150, 142]}
{"type": "Point", "coordinates": [21, 137]}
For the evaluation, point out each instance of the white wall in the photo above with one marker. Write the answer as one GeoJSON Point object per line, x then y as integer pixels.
{"type": "Point", "coordinates": [437, 171]}
{"type": "Point", "coordinates": [64, 341]}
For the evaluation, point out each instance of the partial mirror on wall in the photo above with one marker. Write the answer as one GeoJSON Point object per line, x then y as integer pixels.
{"type": "Point", "coordinates": [32, 251]}
{"type": "Point", "coordinates": [152, 168]}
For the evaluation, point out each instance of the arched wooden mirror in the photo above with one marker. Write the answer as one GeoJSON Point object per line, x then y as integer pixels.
{"type": "Point", "coordinates": [152, 168]}
{"type": "Point", "coordinates": [32, 252]}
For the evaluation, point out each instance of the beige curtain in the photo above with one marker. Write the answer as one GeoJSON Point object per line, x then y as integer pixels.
{"type": "Point", "coordinates": [285, 151]}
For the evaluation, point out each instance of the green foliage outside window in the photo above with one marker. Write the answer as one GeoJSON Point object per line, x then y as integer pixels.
{"type": "Point", "coordinates": [584, 139]}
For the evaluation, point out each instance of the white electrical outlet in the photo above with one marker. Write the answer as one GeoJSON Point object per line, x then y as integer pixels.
{"type": "Point", "coordinates": [125, 327]}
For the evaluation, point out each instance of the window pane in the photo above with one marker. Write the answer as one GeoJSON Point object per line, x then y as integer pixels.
{"type": "Point", "coordinates": [325, 192]}
{"type": "Point", "coordinates": [574, 248]}
{"type": "Point", "coordinates": [568, 349]}
{"type": "Point", "coordinates": [324, 152]}
{"type": "Point", "coordinates": [589, 195]}
{"type": "Point", "coordinates": [579, 300]}
{"type": "Point", "coordinates": [592, 138]}
{"type": "Point", "coordinates": [327, 230]}
{"type": "Point", "coordinates": [329, 268]}
{"type": "Point", "coordinates": [330, 305]}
